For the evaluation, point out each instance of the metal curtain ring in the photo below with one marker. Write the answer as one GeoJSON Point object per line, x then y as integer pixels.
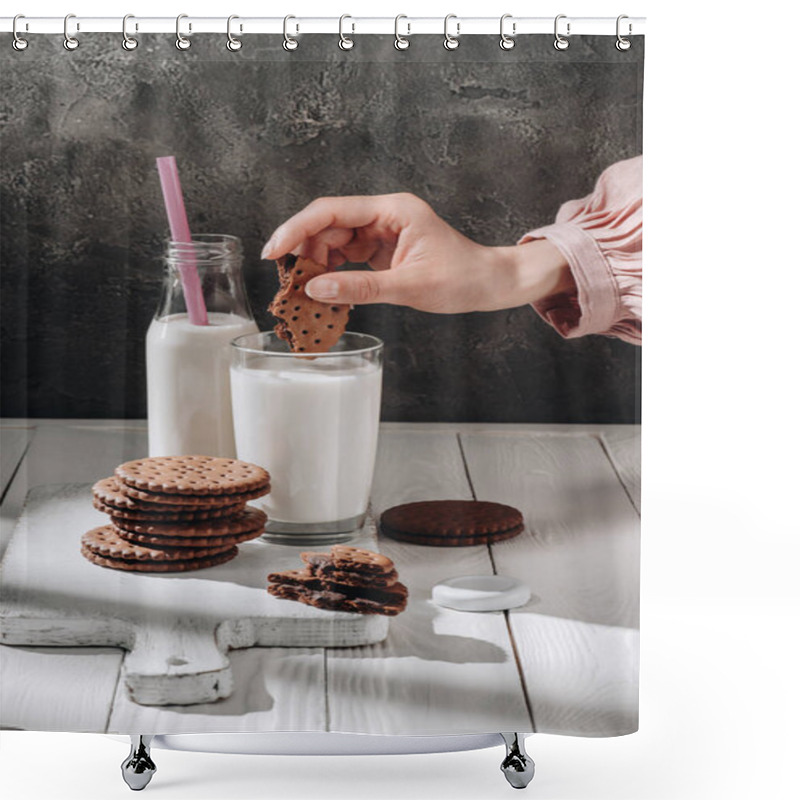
{"type": "Point", "coordinates": [128, 42]}
{"type": "Point", "coordinates": [18, 42]}
{"type": "Point", "coordinates": [560, 43]}
{"type": "Point", "coordinates": [345, 42]}
{"type": "Point", "coordinates": [288, 42]}
{"type": "Point", "coordinates": [233, 44]}
{"type": "Point", "coordinates": [451, 42]}
{"type": "Point", "coordinates": [506, 40]}
{"type": "Point", "coordinates": [70, 42]}
{"type": "Point", "coordinates": [622, 43]}
{"type": "Point", "coordinates": [181, 42]}
{"type": "Point", "coordinates": [401, 42]}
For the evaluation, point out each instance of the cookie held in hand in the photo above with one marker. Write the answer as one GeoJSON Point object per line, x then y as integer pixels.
{"type": "Point", "coordinates": [306, 324]}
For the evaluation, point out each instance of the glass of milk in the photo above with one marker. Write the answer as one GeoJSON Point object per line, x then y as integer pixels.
{"type": "Point", "coordinates": [312, 422]}
{"type": "Point", "coordinates": [188, 366]}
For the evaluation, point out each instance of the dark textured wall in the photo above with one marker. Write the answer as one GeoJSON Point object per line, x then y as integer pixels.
{"type": "Point", "coordinates": [495, 141]}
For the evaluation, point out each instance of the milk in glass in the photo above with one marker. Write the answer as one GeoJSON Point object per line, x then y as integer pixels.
{"type": "Point", "coordinates": [312, 423]}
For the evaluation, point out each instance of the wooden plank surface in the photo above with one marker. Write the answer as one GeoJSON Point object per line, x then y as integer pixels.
{"type": "Point", "coordinates": [57, 689]}
{"type": "Point", "coordinates": [70, 453]}
{"type": "Point", "coordinates": [586, 633]}
{"type": "Point", "coordinates": [577, 637]}
{"type": "Point", "coordinates": [624, 447]}
{"type": "Point", "coordinates": [439, 670]}
{"type": "Point", "coordinates": [13, 444]}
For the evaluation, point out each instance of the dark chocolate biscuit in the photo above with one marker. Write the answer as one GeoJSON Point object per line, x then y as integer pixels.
{"type": "Point", "coordinates": [452, 523]}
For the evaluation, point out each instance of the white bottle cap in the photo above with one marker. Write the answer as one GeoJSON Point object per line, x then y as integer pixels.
{"type": "Point", "coordinates": [481, 593]}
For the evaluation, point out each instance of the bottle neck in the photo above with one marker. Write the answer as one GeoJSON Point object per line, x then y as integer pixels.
{"type": "Point", "coordinates": [217, 261]}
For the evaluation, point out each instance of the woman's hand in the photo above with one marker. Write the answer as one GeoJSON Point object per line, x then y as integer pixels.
{"type": "Point", "coordinates": [417, 259]}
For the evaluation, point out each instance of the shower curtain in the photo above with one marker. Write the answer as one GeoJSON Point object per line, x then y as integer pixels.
{"type": "Point", "coordinates": [520, 394]}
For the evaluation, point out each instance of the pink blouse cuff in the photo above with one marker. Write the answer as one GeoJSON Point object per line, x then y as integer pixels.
{"type": "Point", "coordinates": [598, 292]}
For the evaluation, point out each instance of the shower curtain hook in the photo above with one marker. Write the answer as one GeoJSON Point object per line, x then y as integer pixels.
{"type": "Point", "coordinates": [18, 42]}
{"type": "Point", "coordinates": [289, 43]}
{"type": "Point", "coordinates": [181, 42]}
{"type": "Point", "coordinates": [401, 42]}
{"type": "Point", "coordinates": [622, 43]}
{"type": "Point", "coordinates": [345, 42]}
{"type": "Point", "coordinates": [233, 44]}
{"type": "Point", "coordinates": [70, 42]}
{"type": "Point", "coordinates": [506, 40]}
{"type": "Point", "coordinates": [561, 43]}
{"type": "Point", "coordinates": [451, 42]}
{"type": "Point", "coordinates": [128, 41]}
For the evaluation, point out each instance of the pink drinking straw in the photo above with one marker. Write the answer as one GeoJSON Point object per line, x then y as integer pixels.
{"type": "Point", "coordinates": [179, 230]}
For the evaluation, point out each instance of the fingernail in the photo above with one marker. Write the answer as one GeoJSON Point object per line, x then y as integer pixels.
{"type": "Point", "coordinates": [267, 251]}
{"type": "Point", "coordinates": [322, 289]}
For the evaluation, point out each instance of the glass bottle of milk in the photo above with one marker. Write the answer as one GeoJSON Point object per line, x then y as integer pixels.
{"type": "Point", "coordinates": [188, 376]}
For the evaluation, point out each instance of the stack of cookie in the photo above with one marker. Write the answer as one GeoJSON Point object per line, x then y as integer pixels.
{"type": "Point", "coordinates": [346, 579]}
{"type": "Point", "coordinates": [175, 513]}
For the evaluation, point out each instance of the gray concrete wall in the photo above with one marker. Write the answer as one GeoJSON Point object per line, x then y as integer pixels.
{"type": "Point", "coordinates": [494, 140]}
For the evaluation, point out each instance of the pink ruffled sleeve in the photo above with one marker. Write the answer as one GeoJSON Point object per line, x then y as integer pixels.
{"type": "Point", "coordinates": [601, 238]}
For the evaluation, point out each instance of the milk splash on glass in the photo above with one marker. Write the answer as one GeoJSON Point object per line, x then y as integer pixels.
{"type": "Point", "coordinates": [188, 365]}
{"type": "Point", "coordinates": [312, 423]}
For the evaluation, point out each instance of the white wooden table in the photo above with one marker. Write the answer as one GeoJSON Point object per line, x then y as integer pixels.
{"type": "Point", "coordinates": [567, 662]}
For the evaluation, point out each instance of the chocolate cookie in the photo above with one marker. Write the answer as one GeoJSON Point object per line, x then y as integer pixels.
{"type": "Point", "coordinates": [308, 325]}
{"type": "Point", "coordinates": [333, 601]}
{"type": "Point", "coordinates": [347, 579]}
{"type": "Point", "coordinates": [175, 513]}
{"type": "Point", "coordinates": [181, 501]}
{"type": "Point", "coordinates": [252, 520]}
{"type": "Point", "coordinates": [185, 565]}
{"type": "Point", "coordinates": [451, 523]}
{"type": "Point", "coordinates": [198, 476]}
{"type": "Point", "coordinates": [107, 543]}
{"type": "Point", "coordinates": [321, 565]}
{"type": "Point", "coordinates": [111, 493]}
{"type": "Point", "coordinates": [177, 541]}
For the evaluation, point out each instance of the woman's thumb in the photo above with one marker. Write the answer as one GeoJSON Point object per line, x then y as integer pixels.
{"type": "Point", "coordinates": [355, 287]}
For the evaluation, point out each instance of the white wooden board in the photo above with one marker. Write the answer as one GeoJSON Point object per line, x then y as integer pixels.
{"type": "Point", "coordinates": [578, 636]}
{"type": "Point", "coordinates": [439, 670]}
{"type": "Point", "coordinates": [177, 627]}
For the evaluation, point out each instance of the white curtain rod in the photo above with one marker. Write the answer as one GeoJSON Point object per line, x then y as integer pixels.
{"type": "Point", "coordinates": [407, 26]}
